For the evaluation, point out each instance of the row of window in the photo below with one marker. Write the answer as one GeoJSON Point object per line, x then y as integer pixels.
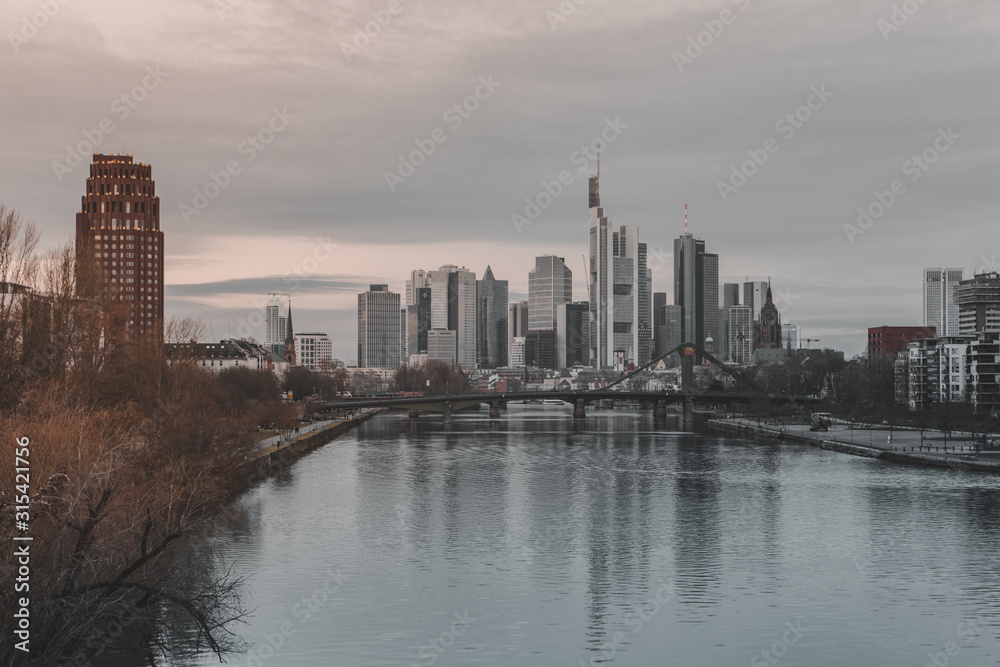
{"type": "Point", "coordinates": [126, 189]}
{"type": "Point", "coordinates": [124, 237]}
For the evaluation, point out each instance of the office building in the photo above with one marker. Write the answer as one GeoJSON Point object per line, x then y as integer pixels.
{"type": "Point", "coordinates": [978, 302]}
{"type": "Point", "coordinates": [275, 326]}
{"type": "Point", "coordinates": [550, 283]}
{"type": "Point", "coordinates": [517, 359]}
{"type": "Point", "coordinates": [404, 339]}
{"type": "Point", "coordinates": [790, 336]}
{"type": "Point", "coordinates": [313, 350]}
{"type": "Point", "coordinates": [119, 226]}
{"type": "Point", "coordinates": [573, 334]}
{"type": "Point", "coordinates": [418, 280]}
{"type": "Point", "coordinates": [517, 327]}
{"type": "Point", "coordinates": [540, 349]}
{"type": "Point", "coordinates": [620, 291]}
{"type": "Point", "coordinates": [730, 298]}
{"type": "Point", "coordinates": [418, 321]}
{"type": "Point", "coordinates": [740, 331]}
{"type": "Point", "coordinates": [442, 345]}
{"type": "Point", "coordinates": [886, 341]}
{"type": "Point", "coordinates": [696, 291]}
{"type": "Point", "coordinates": [657, 320]}
{"type": "Point", "coordinates": [453, 307]}
{"type": "Point", "coordinates": [491, 321]}
{"type": "Point", "coordinates": [940, 306]}
{"type": "Point", "coordinates": [670, 333]}
{"type": "Point", "coordinates": [378, 328]}
{"type": "Point", "coordinates": [755, 295]}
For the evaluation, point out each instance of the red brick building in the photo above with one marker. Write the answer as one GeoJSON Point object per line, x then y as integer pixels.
{"type": "Point", "coordinates": [119, 224]}
{"type": "Point", "coordinates": [888, 341]}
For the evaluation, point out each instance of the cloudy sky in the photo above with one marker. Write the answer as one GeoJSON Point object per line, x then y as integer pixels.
{"type": "Point", "coordinates": [835, 99]}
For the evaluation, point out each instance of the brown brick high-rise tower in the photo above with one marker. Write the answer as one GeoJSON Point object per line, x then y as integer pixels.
{"type": "Point", "coordinates": [119, 224]}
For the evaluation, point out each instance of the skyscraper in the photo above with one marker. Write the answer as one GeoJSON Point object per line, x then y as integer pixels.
{"type": "Point", "coordinates": [755, 295]}
{"type": "Point", "coordinates": [517, 327]}
{"type": "Point", "coordinates": [418, 321]}
{"type": "Point", "coordinates": [668, 334]}
{"type": "Point", "coordinates": [741, 334]}
{"type": "Point", "coordinates": [659, 319]}
{"type": "Point", "coordinates": [378, 328]}
{"type": "Point", "coordinates": [453, 307]}
{"type": "Point", "coordinates": [620, 285]}
{"type": "Point", "coordinates": [978, 303]}
{"type": "Point", "coordinates": [491, 321]}
{"type": "Point", "coordinates": [730, 298]}
{"type": "Point", "coordinates": [275, 326]}
{"type": "Point", "coordinates": [119, 226]}
{"type": "Point", "coordinates": [550, 283]}
{"type": "Point", "coordinates": [418, 280]}
{"type": "Point", "coordinates": [940, 306]}
{"type": "Point", "coordinates": [572, 334]}
{"type": "Point", "coordinates": [696, 291]}
{"type": "Point", "coordinates": [790, 334]}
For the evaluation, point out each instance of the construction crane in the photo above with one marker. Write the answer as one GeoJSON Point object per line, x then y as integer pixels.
{"type": "Point", "coordinates": [586, 273]}
{"type": "Point", "coordinates": [810, 340]}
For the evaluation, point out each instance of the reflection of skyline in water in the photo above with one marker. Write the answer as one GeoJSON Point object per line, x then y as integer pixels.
{"type": "Point", "coordinates": [553, 532]}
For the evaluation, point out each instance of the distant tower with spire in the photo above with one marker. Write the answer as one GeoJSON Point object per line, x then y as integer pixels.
{"type": "Point", "coordinates": [289, 338]}
{"type": "Point", "coordinates": [769, 326]}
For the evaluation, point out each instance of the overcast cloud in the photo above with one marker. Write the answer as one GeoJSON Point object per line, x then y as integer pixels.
{"type": "Point", "coordinates": [215, 72]}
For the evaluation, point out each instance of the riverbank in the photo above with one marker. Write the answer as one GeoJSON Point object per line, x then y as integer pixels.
{"type": "Point", "coordinates": [281, 451]}
{"type": "Point", "coordinates": [931, 448]}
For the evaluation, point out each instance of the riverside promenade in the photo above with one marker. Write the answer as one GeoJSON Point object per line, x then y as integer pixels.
{"type": "Point", "coordinates": [286, 448]}
{"type": "Point", "coordinates": [956, 450]}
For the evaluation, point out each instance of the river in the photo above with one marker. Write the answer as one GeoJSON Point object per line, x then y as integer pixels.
{"type": "Point", "coordinates": [540, 540]}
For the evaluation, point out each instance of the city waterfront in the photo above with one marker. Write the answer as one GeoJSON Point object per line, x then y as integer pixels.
{"type": "Point", "coordinates": [537, 539]}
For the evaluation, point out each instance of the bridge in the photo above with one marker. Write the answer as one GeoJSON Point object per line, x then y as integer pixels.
{"type": "Point", "coordinates": [579, 399]}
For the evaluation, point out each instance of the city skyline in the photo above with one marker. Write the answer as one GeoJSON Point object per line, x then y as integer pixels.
{"type": "Point", "coordinates": [677, 135]}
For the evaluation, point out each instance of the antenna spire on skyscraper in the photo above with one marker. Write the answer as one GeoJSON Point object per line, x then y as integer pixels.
{"type": "Point", "coordinates": [685, 218]}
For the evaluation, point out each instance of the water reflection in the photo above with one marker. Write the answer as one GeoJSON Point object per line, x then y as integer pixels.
{"type": "Point", "coordinates": [556, 535]}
